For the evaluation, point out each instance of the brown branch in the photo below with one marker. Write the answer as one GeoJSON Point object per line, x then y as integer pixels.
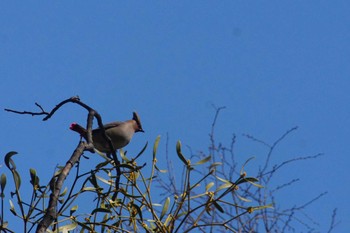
{"type": "Point", "coordinates": [30, 113]}
{"type": "Point", "coordinates": [51, 213]}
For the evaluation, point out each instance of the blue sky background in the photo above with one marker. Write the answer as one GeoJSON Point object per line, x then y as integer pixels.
{"type": "Point", "coordinates": [273, 64]}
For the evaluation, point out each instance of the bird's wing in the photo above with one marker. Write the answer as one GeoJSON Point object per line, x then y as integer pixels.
{"type": "Point", "coordinates": [112, 124]}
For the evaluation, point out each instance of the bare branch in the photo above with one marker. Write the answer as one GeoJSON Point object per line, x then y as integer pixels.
{"type": "Point", "coordinates": [333, 223]}
{"type": "Point", "coordinates": [29, 113]}
{"type": "Point", "coordinates": [276, 167]}
{"type": "Point", "coordinates": [51, 211]}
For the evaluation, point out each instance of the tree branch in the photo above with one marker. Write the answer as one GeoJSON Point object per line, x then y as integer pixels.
{"type": "Point", "coordinates": [51, 213]}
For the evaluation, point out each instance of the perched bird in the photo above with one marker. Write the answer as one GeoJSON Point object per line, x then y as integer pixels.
{"type": "Point", "coordinates": [120, 133]}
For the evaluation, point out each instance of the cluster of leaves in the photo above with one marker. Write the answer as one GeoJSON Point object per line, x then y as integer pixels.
{"type": "Point", "coordinates": [135, 208]}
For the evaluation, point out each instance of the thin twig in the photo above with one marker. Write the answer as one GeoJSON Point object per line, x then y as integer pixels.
{"type": "Point", "coordinates": [333, 223]}
{"type": "Point", "coordinates": [51, 213]}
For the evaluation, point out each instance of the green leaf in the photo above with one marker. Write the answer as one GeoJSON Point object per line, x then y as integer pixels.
{"type": "Point", "coordinates": [206, 159]}
{"type": "Point", "coordinates": [85, 226]}
{"type": "Point", "coordinates": [108, 182]}
{"type": "Point", "coordinates": [103, 155]}
{"type": "Point", "coordinates": [215, 165]}
{"type": "Point", "coordinates": [64, 192]}
{"type": "Point", "coordinates": [250, 180]}
{"type": "Point", "coordinates": [122, 154]}
{"type": "Point", "coordinates": [128, 166]}
{"type": "Point", "coordinates": [130, 195]}
{"type": "Point", "coordinates": [156, 204]}
{"type": "Point", "coordinates": [223, 180]}
{"type": "Point", "coordinates": [217, 206]}
{"type": "Point", "coordinates": [105, 219]}
{"type": "Point", "coordinates": [161, 170]}
{"type": "Point", "coordinates": [3, 182]}
{"type": "Point", "coordinates": [32, 172]}
{"type": "Point", "coordinates": [102, 210]}
{"type": "Point", "coordinates": [165, 208]}
{"type": "Point", "coordinates": [263, 207]}
{"type": "Point", "coordinates": [8, 161]}
{"type": "Point", "coordinates": [73, 209]}
{"type": "Point", "coordinates": [68, 228]}
{"type": "Point", "coordinates": [17, 179]}
{"type": "Point", "coordinates": [141, 152]}
{"type": "Point", "coordinates": [34, 179]}
{"type": "Point", "coordinates": [93, 181]}
{"type": "Point", "coordinates": [246, 162]}
{"type": "Point", "coordinates": [139, 212]}
{"type": "Point", "coordinates": [208, 186]}
{"type": "Point", "coordinates": [224, 186]}
{"type": "Point", "coordinates": [243, 199]}
{"type": "Point", "coordinates": [155, 146]}
{"type": "Point", "coordinates": [88, 189]}
{"type": "Point", "coordinates": [100, 165]}
{"type": "Point", "coordinates": [179, 153]}
{"type": "Point", "coordinates": [12, 208]}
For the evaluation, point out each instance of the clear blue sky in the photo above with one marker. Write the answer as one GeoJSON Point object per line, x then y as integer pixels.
{"type": "Point", "coordinates": [273, 64]}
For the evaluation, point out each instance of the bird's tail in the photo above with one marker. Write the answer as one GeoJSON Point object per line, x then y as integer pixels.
{"type": "Point", "coordinates": [78, 128]}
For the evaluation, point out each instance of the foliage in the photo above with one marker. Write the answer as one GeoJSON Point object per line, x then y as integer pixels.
{"type": "Point", "coordinates": [134, 209]}
{"type": "Point", "coordinates": [213, 193]}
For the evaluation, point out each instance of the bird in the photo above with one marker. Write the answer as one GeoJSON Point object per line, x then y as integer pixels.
{"type": "Point", "coordinates": [120, 133]}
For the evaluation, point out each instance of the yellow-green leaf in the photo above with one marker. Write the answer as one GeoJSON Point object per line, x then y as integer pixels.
{"type": "Point", "coordinates": [68, 228]}
{"type": "Point", "coordinates": [263, 207]}
{"type": "Point", "coordinates": [73, 209]}
{"type": "Point", "coordinates": [34, 179]}
{"type": "Point", "coordinates": [161, 170]}
{"type": "Point", "coordinates": [122, 154]}
{"type": "Point", "coordinates": [155, 146]}
{"type": "Point", "coordinates": [3, 182]}
{"type": "Point", "coordinates": [179, 153]}
{"type": "Point", "coordinates": [64, 192]}
{"type": "Point", "coordinates": [8, 161]}
{"type": "Point", "coordinates": [215, 164]}
{"type": "Point", "coordinates": [242, 198]}
{"type": "Point", "coordinates": [208, 186]}
{"type": "Point", "coordinates": [85, 226]}
{"type": "Point", "coordinates": [223, 180]}
{"type": "Point", "coordinates": [141, 152]}
{"type": "Point", "coordinates": [250, 180]}
{"type": "Point", "coordinates": [246, 162]}
{"type": "Point", "coordinates": [109, 182]}
{"type": "Point", "coordinates": [12, 208]}
{"type": "Point", "coordinates": [165, 208]}
{"type": "Point", "coordinates": [206, 159]}
{"type": "Point", "coordinates": [17, 179]}
{"type": "Point", "coordinates": [224, 186]}
{"type": "Point", "coordinates": [88, 189]}
{"type": "Point", "coordinates": [103, 210]}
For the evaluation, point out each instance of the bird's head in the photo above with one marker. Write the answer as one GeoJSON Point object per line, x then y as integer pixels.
{"type": "Point", "coordinates": [136, 118]}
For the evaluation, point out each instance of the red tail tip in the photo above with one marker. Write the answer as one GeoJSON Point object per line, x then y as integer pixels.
{"type": "Point", "coordinates": [72, 126]}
